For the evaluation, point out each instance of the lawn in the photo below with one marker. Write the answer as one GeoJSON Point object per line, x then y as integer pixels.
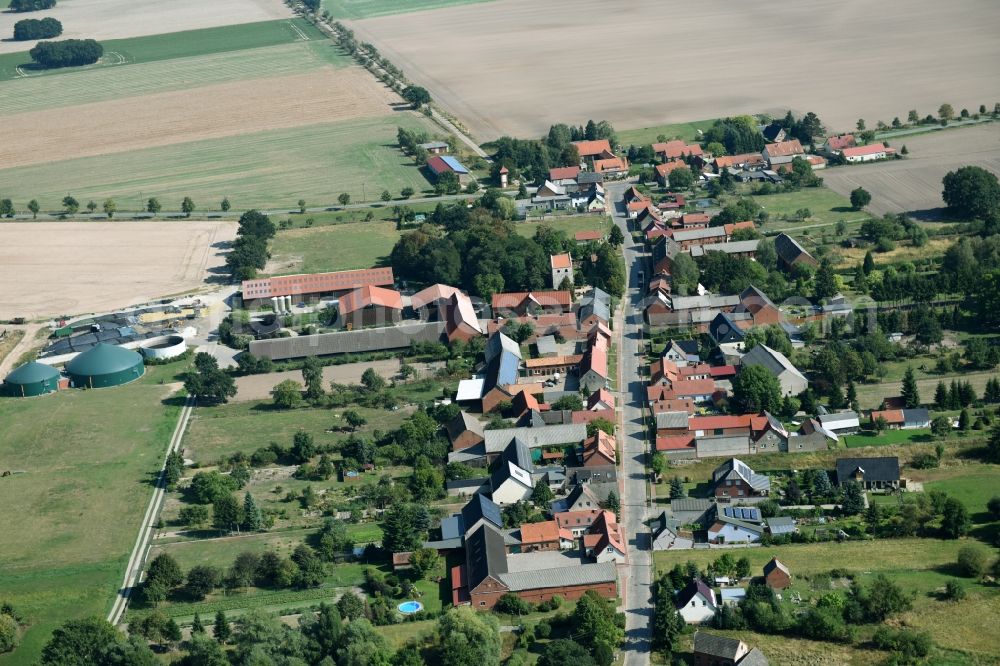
{"type": "Point", "coordinates": [569, 225]}
{"type": "Point", "coordinates": [188, 43]}
{"type": "Point", "coordinates": [648, 135]}
{"type": "Point", "coordinates": [265, 169]}
{"type": "Point", "coordinates": [106, 83]}
{"type": "Point", "coordinates": [826, 206]}
{"type": "Point", "coordinates": [334, 248]}
{"type": "Point", "coordinates": [81, 462]}
{"type": "Point", "coordinates": [215, 432]}
{"type": "Point", "coordinates": [361, 9]}
{"type": "Point", "coordinates": [888, 438]}
{"type": "Point", "coordinates": [974, 484]}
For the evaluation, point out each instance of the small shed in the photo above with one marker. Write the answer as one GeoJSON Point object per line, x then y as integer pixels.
{"type": "Point", "coordinates": [401, 561]}
{"type": "Point", "coordinates": [776, 575]}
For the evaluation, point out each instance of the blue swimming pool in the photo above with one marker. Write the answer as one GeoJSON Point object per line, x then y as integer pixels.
{"type": "Point", "coordinates": [410, 607]}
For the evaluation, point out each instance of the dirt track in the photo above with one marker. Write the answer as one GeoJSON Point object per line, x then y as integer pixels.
{"type": "Point", "coordinates": [914, 184]}
{"type": "Point", "coordinates": [227, 109]}
{"type": "Point", "coordinates": [64, 268]}
{"type": "Point", "coordinates": [515, 66]}
{"type": "Point", "coordinates": [116, 19]}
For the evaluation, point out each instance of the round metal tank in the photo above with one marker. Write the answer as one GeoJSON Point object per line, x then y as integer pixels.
{"type": "Point", "coordinates": [32, 379]}
{"type": "Point", "coordinates": [105, 365]}
{"type": "Point", "coordinates": [164, 347]}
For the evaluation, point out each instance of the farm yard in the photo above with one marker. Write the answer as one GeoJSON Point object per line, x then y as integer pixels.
{"type": "Point", "coordinates": [513, 54]}
{"type": "Point", "coordinates": [123, 263]}
{"type": "Point", "coordinates": [913, 185]}
{"type": "Point", "coordinates": [82, 498]}
{"type": "Point", "coordinates": [116, 19]}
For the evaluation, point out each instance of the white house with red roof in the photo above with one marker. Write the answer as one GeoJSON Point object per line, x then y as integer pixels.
{"type": "Point", "coordinates": [869, 153]}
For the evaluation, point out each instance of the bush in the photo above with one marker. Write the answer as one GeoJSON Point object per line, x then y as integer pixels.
{"type": "Point", "coordinates": [925, 461]}
{"type": "Point", "coordinates": [28, 29]}
{"type": "Point", "coordinates": [511, 604]}
{"type": "Point", "coordinates": [907, 646]}
{"type": "Point", "coordinates": [954, 591]}
{"type": "Point", "coordinates": [973, 561]}
{"type": "Point", "coordinates": [67, 53]}
{"type": "Point", "coordinates": [993, 506]}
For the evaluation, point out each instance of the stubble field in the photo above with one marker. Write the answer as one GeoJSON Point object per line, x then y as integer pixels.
{"type": "Point", "coordinates": [508, 68]}
{"type": "Point", "coordinates": [54, 268]}
{"type": "Point", "coordinates": [114, 19]}
{"type": "Point", "coordinates": [914, 184]}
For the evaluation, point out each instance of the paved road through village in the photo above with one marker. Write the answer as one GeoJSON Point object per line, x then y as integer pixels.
{"type": "Point", "coordinates": [635, 500]}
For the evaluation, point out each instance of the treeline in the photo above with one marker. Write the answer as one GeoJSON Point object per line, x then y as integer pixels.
{"type": "Point", "coordinates": [481, 252]}
{"type": "Point", "coordinates": [250, 253]}
{"type": "Point", "coordinates": [531, 159]}
{"type": "Point", "coordinates": [45, 28]}
{"type": "Point", "coordinates": [67, 53]}
{"type": "Point", "coordinates": [31, 5]}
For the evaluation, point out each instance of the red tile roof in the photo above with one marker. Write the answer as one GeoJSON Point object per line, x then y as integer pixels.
{"type": "Point", "coordinates": [599, 450]}
{"type": "Point", "coordinates": [735, 160]}
{"type": "Point", "coordinates": [553, 361]}
{"type": "Point", "coordinates": [674, 442]}
{"type": "Point", "coordinates": [672, 405]}
{"type": "Point", "coordinates": [718, 371]}
{"type": "Point", "coordinates": [840, 142]}
{"type": "Point", "coordinates": [571, 519]}
{"type": "Point", "coordinates": [610, 164]}
{"type": "Point", "coordinates": [591, 148]}
{"type": "Point", "coordinates": [432, 293]}
{"type": "Point", "coordinates": [586, 416]}
{"type": "Point", "coordinates": [730, 228]}
{"type": "Point", "coordinates": [892, 416]}
{"type": "Point", "coordinates": [784, 148]}
{"type": "Point", "coordinates": [719, 422]}
{"type": "Point", "coordinates": [610, 532]}
{"type": "Point", "coordinates": [540, 532]}
{"type": "Point", "coordinates": [663, 170]}
{"type": "Point", "coordinates": [561, 261]}
{"type": "Point", "coordinates": [677, 148]}
{"type": "Point", "coordinates": [515, 299]}
{"type": "Point", "coordinates": [860, 151]}
{"type": "Point", "coordinates": [315, 283]}
{"type": "Point", "coordinates": [694, 387]}
{"type": "Point", "coordinates": [369, 296]}
{"type": "Point", "coordinates": [582, 236]}
{"type": "Point", "coordinates": [695, 218]}
{"type": "Point", "coordinates": [563, 173]}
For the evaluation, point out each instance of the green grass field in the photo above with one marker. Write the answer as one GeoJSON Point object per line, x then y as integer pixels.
{"type": "Point", "coordinates": [974, 484]}
{"type": "Point", "coordinates": [871, 395]}
{"type": "Point", "coordinates": [335, 248]}
{"type": "Point", "coordinates": [360, 9]}
{"type": "Point", "coordinates": [265, 169]}
{"type": "Point", "coordinates": [569, 225]}
{"type": "Point", "coordinates": [645, 135]}
{"type": "Point", "coordinates": [82, 462]}
{"type": "Point", "coordinates": [184, 44]}
{"type": "Point", "coordinates": [826, 206]}
{"type": "Point", "coordinates": [888, 438]}
{"type": "Point", "coordinates": [106, 83]}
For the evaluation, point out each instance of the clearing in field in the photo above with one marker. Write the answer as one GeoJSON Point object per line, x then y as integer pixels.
{"type": "Point", "coordinates": [492, 64]}
{"type": "Point", "coordinates": [913, 185]}
{"type": "Point", "coordinates": [208, 112]}
{"type": "Point", "coordinates": [81, 463]}
{"type": "Point", "coordinates": [339, 247]}
{"type": "Point", "coordinates": [59, 268]}
{"type": "Point", "coordinates": [115, 19]}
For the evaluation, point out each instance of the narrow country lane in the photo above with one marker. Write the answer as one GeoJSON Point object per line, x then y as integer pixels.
{"type": "Point", "coordinates": [635, 498]}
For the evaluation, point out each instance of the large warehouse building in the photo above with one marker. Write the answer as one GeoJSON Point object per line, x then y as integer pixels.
{"type": "Point", "coordinates": [312, 287]}
{"type": "Point", "coordinates": [32, 379]}
{"type": "Point", "coordinates": [103, 366]}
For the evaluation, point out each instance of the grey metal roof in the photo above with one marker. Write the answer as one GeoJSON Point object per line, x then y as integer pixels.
{"type": "Point", "coordinates": [465, 422]}
{"type": "Point", "coordinates": [741, 469]}
{"type": "Point", "coordinates": [732, 247]}
{"type": "Point", "coordinates": [697, 234]}
{"type": "Point", "coordinates": [552, 435]}
{"type": "Point", "coordinates": [917, 415]}
{"type": "Point", "coordinates": [775, 564]}
{"type": "Point", "coordinates": [831, 419]}
{"type": "Point", "coordinates": [781, 525]}
{"type": "Point", "coordinates": [754, 658]}
{"type": "Point", "coordinates": [585, 574]}
{"type": "Point", "coordinates": [716, 646]}
{"type": "Point", "coordinates": [789, 249]}
{"type": "Point", "coordinates": [772, 359]}
{"type": "Point", "coordinates": [349, 342]}
{"type": "Point", "coordinates": [499, 343]}
{"type": "Point", "coordinates": [691, 504]}
{"type": "Point", "coordinates": [452, 527]}
{"type": "Point", "coordinates": [597, 302]}
{"type": "Point", "coordinates": [671, 420]}
{"type": "Point", "coordinates": [443, 544]}
{"type": "Point", "coordinates": [703, 302]}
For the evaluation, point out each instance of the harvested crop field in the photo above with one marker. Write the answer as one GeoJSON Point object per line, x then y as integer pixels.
{"type": "Point", "coordinates": [81, 267]}
{"type": "Point", "coordinates": [114, 19]}
{"type": "Point", "coordinates": [209, 112]}
{"type": "Point", "coordinates": [506, 67]}
{"type": "Point", "coordinates": [914, 184]}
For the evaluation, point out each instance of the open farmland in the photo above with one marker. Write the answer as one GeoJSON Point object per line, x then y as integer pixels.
{"type": "Point", "coordinates": [339, 247]}
{"type": "Point", "coordinates": [357, 9]}
{"type": "Point", "coordinates": [228, 109]}
{"type": "Point", "coordinates": [507, 68]}
{"type": "Point", "coordinates": [914, 185]}
{"type": "Point", "coordinates": [81, 462]}
{"type": "Point", "coordinates": [79, 267]}
{"type": "Point", "coordinates": [115, 19]}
